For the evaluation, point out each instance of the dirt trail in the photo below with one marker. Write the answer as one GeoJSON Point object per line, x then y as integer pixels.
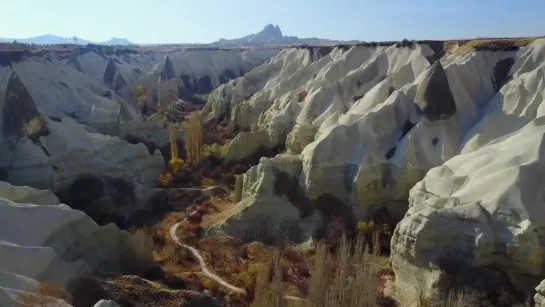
{"type": "Point", "coordinates": [202, 264]}
{"type": "Point", "coordinates": [207, 272]}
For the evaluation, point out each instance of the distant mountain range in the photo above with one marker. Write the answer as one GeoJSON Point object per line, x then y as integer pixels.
{"type": "Point", "coordinates": [272, 35]}
{"type": "Point", "coordinates": [49, 39]}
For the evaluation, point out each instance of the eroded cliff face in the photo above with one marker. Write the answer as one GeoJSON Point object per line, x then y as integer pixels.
{"type": "Point", "coordinates": [368, 124]}
{"type": "Point", "coordinates": [51, 242]}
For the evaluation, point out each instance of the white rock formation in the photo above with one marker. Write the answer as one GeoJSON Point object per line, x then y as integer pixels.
{"type": "Point", "coordinates": [60, 90]}
{"type": "Point", "coordinates": [106, 303]}
{"type": "Point", "coordinates": [373, 143]}
{"type": "Point", "coordinates": [217, 66]}
{"type": "Point", "coordinates": [55, 243]}
{"type": "Point", "coordinates": [71, 151]}
{"type": "Point", "coordinates": [539, 297]}
{"type": "Point", "coordinates": [484, 207]}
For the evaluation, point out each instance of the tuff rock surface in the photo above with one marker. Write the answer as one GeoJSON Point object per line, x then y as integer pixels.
{"type": "Point", "coordinates": [455, 142]}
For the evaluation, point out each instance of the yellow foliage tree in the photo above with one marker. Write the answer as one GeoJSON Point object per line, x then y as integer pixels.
{"type": "Point", "coordinates": [141, 97]}
{"type": "Point", "coordinates": [176, 163]}
{"type": "Point", "coordinates": [194, 138]}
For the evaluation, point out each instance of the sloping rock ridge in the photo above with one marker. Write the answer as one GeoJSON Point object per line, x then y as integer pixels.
{"type": "Point", "coordinates": [199, 71]}
{"type": "Point", "coordinates": [41, 160]}
{"type": "Point", "coordinates": [51, 242]}
{"type": "Point", "coordinates": [462, 133]}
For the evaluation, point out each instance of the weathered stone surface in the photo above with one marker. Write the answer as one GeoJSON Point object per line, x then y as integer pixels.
{"type": "Point", "coordinates": [434, 96]}
{"type": "Point", "coordinates": [69, 151]}
{"type": "Point", "coordinates": [167, 72]}
{"type": "Point", "coordinates": [106, 303]}
{"type": "Point", "coordinates": [20, 117]}
{"type": "Point", "coordinates": [539, 297]}
{"type": "Point", "coordinates": [28, 195]}
{"type": "Point", "coordinates": [52, 242]}
{"type": "Point", "coordinates": [119, 83]}
{"type": "Point", "coordinates": [300, 137]}
{"type": "Point", "coordinates": [245, 144]}
{"type": "Point", "coordinates": [110, 73]}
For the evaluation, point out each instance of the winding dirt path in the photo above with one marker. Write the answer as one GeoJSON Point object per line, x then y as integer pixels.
{"type": "Point", "coordinates": [202, 264]}
{"type": "Point", "coordinates": [207, 272]}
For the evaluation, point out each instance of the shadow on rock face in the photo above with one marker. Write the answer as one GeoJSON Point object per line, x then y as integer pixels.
{"type": "Point", "coordinates": [20, 115]}
{"type": "Point", "coordinates": [104, 198]}
{"type": "Point", "coordinates": [333, 211]}
{"type": "Point", "coordinates": [3, 174]}
{"type": "Point", "coordinates": [434, 97]}
{"type": "Point", "coordinates": [123, 202]}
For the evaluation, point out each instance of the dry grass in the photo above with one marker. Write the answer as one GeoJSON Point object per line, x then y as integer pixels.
{"type": "Point", "coordinates": [46, 294]}
{"type": "Point", "coordinates": [492, 44]}
{"type": "Point", "coordinates": [350, 278]}
{"type": "Point", "coordinates": [455, 298]}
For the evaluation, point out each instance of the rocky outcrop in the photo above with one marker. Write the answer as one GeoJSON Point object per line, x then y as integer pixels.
{"type": "Point", "coordinates": [69, 151]}
{"type": "Point", "coordinates": [539, 297]}
{"type": "Point", "coordinates": [28, 195]}
{"type": "Point", "coordinates": [113, 79]}
{"type": "Point", "coordinates": [386, 121]}
{"type": "Point", "coordinates": [167, 72]}
{"type": "Point", "coordinates": [20, 115]}
{"type": "Point", "coordinates": [119, 83]}
{"type": "Point", "coordinates": [486, 197]}
{"type": "Point", "coordinates": [106, 303]}
{"type": "Point", "coordinates": [55, 243]}
{"type": "Point", "coordinates": [110, 73]}
{"type": "Point", "coordinates": [300, 137]}
{"type": "Point", "coordinates": [154, 133]}
{"type": "Point", "coordinates": [245, 144]}
{"type": "Point", "coordinates": [42, 151]}
{"type": "Point", "coordinates": [197, 71]}
{"type": "Point", "coordinates": [434, 97]}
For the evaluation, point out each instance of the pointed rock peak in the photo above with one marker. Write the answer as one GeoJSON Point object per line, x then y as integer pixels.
{"type": "Point", "coordinates": [109, 73]}
{"type": "Point", "coordinates": [168, 72]}
{"type": "Point", "coordinates": [20, 116]}
{"type": "Point", "coordinates": [272, 30]}
{"type": "Point", "coordinates": [119, 83]}
{"type": "Point", "coordinates": [434, 97]}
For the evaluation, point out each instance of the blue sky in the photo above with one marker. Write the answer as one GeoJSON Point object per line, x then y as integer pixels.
{"type": "Point", "coordinates": [189, 21]}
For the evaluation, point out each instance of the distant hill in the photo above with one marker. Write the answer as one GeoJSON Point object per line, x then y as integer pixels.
{"type": "Point", "coordinates": [272, 35]}
{"type": "Point", "coordinates": [118, 41]}
{"type": "Point", "coordinates": [49, 39]}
